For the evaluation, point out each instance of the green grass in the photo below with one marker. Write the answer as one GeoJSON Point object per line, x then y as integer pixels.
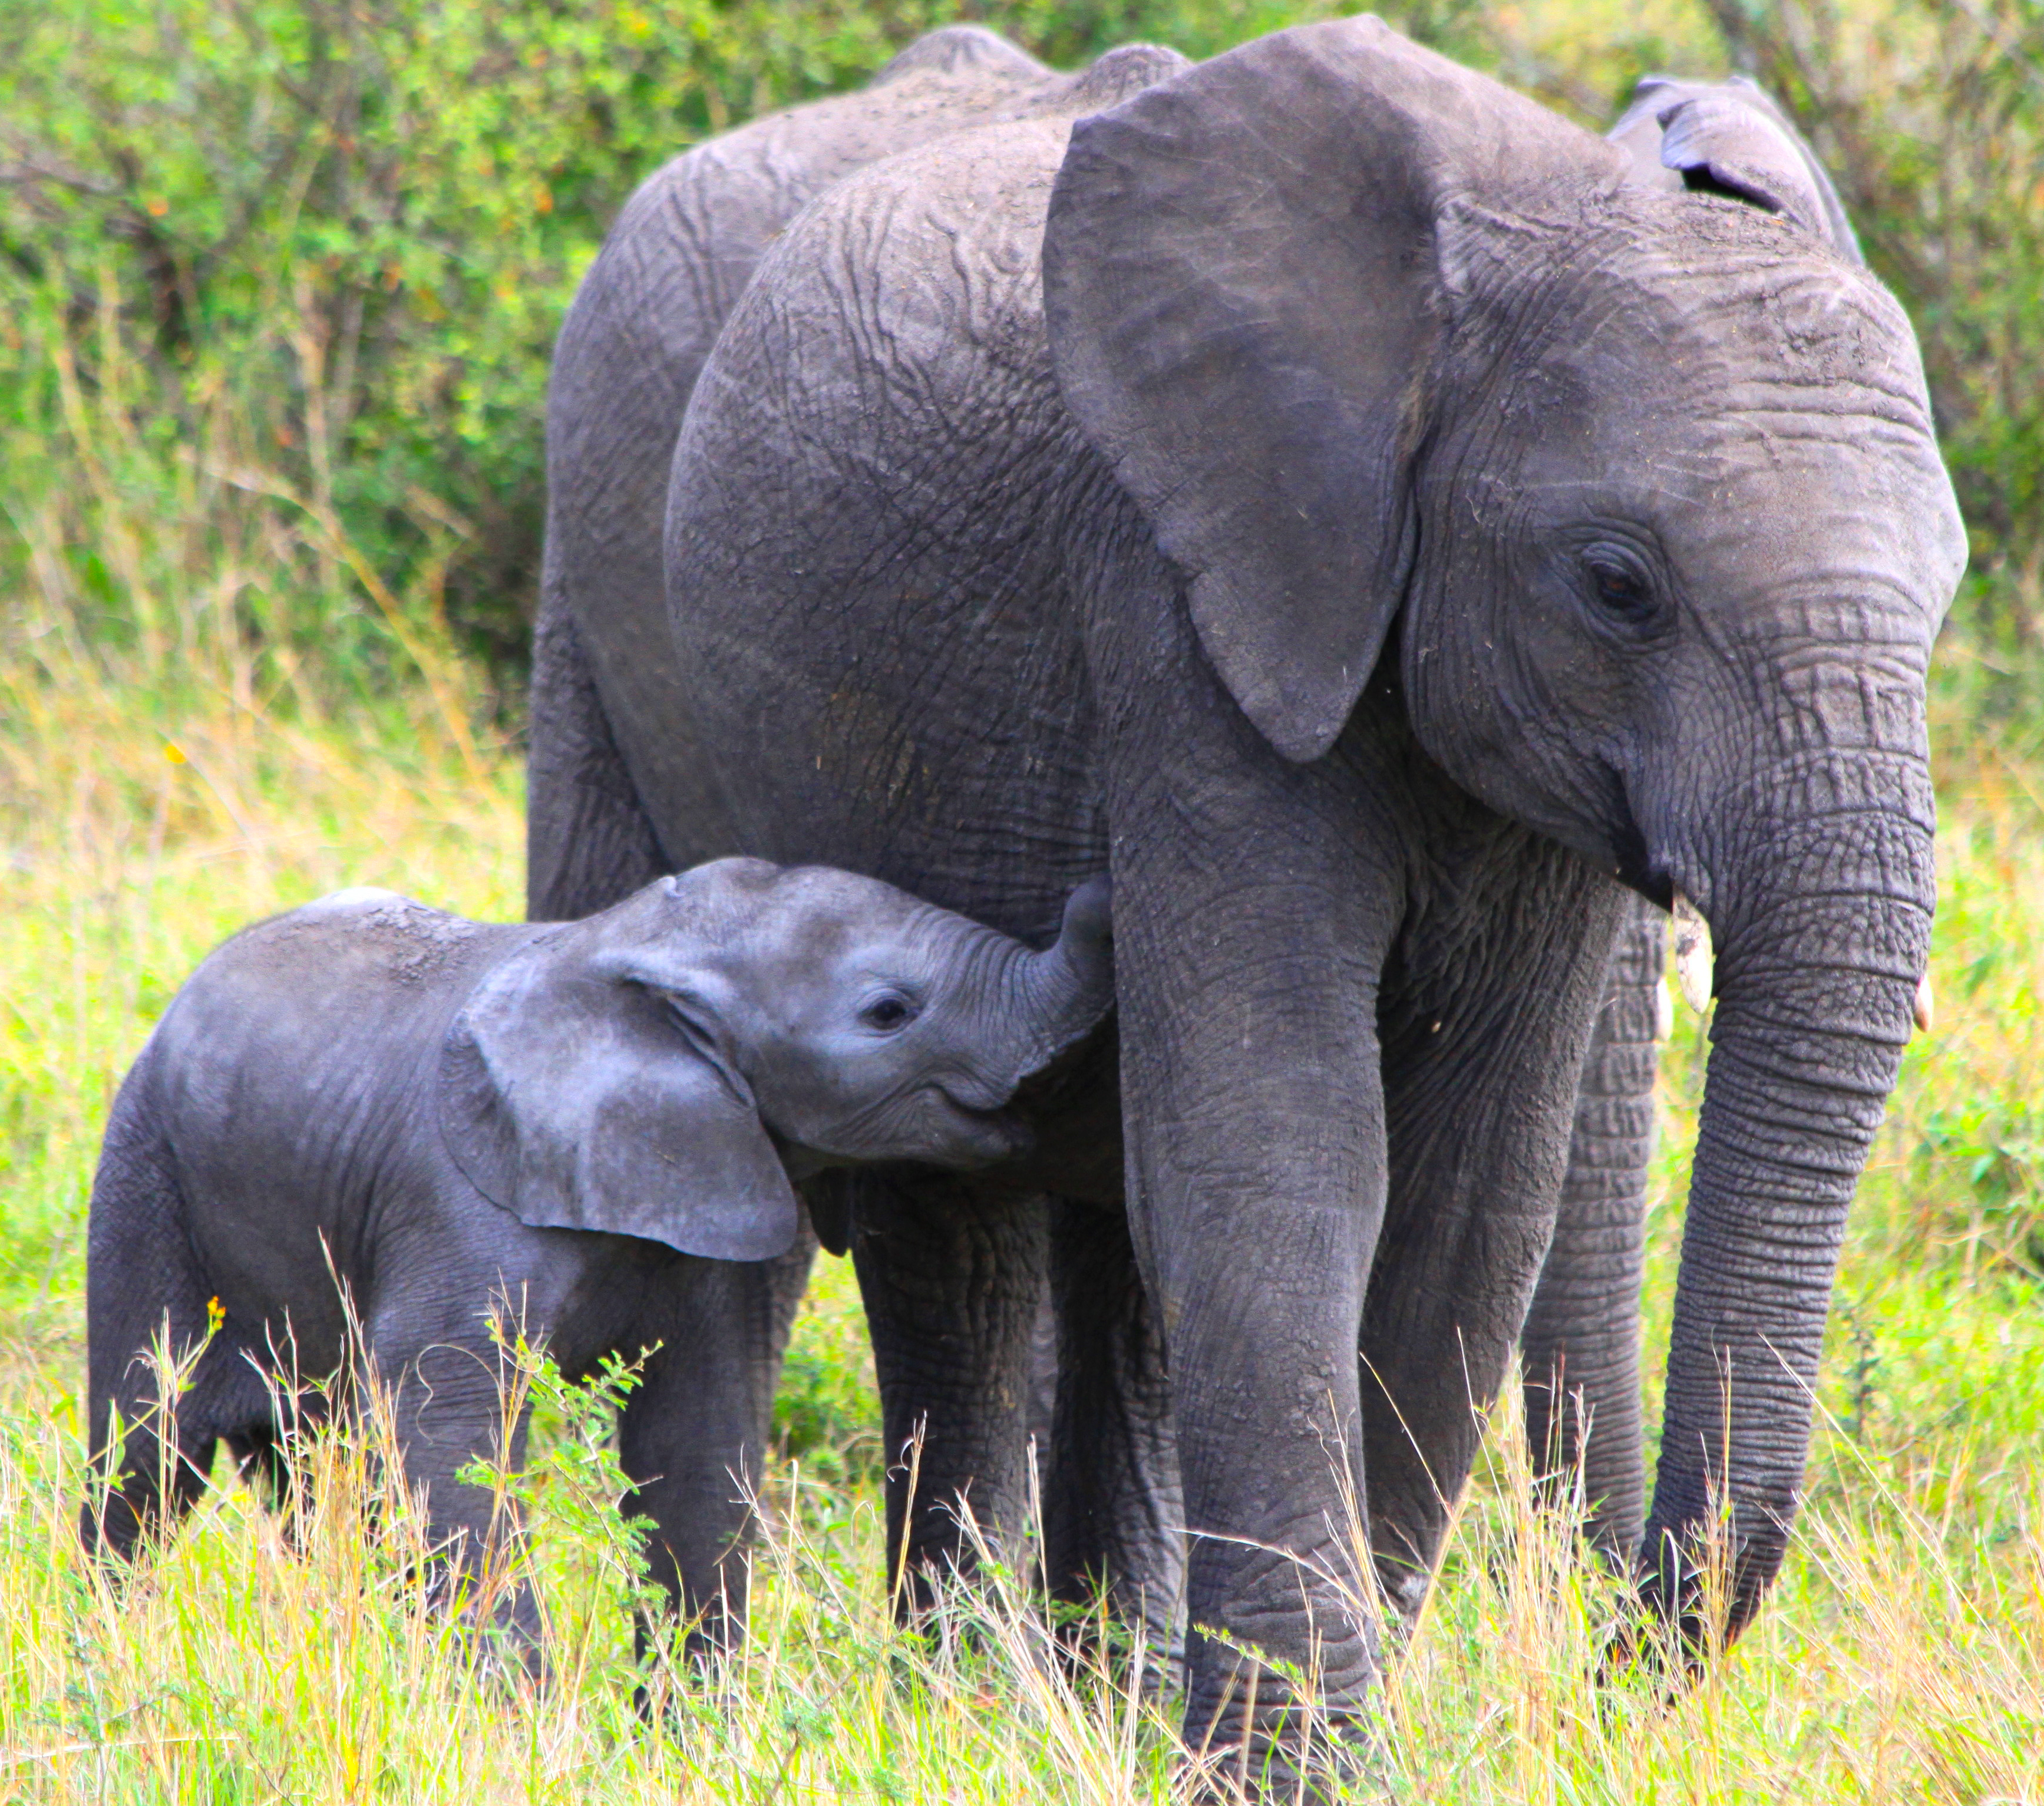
{"type": "Point", "coordinates": [1902, 1657]}
{"type": "Point", "coordinates": [222, 691]}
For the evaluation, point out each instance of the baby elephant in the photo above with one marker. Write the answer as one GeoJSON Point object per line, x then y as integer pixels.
{"type": "Point", "coordinates": [583, 1126]}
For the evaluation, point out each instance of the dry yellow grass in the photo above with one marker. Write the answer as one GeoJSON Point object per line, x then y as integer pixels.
{"type": "Point", "coordinates": [1901, 1659]}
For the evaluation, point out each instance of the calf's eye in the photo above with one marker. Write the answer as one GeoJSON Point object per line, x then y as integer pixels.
{"type": "Point", "coordinates": [886, 1013]}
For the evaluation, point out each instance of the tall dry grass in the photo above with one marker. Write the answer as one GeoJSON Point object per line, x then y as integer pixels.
{"type": "Point", "coordinates": [1899, 1660]}
{"type": "Point", "coordinates": [1901, 1663]}
{"type": "Point", "coordinates": [216, 702]}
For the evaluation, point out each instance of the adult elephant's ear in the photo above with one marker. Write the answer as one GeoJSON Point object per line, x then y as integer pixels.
{"type": "Point", "coordinates": [1729, 138]}
{"type": "Point", "coordinates": [570, 1097]}
{"type": "Point", "coordinates": [1244, 297]}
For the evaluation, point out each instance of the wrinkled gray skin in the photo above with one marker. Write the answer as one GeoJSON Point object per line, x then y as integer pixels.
{"type": "Point", "coordinates": [591, 1129]}
{"type": "Point", "coordinates": [1347, 495]}
{"type": "Point", "coordinates": [1581, 1340]}
{"type": "Point", "coordinates": [953, 1282]}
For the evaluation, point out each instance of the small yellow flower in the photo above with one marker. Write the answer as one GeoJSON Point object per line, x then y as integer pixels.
{"type": "Point", "coordinates": [174, 753]}
{"type": "Point", "coordinates": [216, 1315]}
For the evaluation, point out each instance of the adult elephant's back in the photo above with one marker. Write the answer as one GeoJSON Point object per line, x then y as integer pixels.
{"type": "Point", "coordinates": [604, 816]}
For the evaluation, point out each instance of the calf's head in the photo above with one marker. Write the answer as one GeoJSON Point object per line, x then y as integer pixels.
{"type": "Point", "coordinates": [658, 1070]}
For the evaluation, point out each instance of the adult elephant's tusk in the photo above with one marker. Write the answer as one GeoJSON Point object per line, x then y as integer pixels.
{"type": "Point", "coordinates": [1927, 1005]}
{"type": "Point", "coordinates": [1694, 963]}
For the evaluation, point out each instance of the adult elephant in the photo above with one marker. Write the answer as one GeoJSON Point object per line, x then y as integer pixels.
{"type": "Point", "coordinates": [1581, 1342]}
{"type": "Point", "coordinates": [608, 812]}
{"type": "Point", "coordinates": [1330, 488]}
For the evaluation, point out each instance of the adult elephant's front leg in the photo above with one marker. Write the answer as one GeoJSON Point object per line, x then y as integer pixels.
{"type": "Point", "coordinates": [951, 1281]}
{"type": "Point", "coordinates": [1580, 1344]}
{"type": "Point", "coordinates": [1485, 1018]}
{"type": "Point", "coordinates": [1253, 900]}
{"type": "Point", "coordinates": [1257, 1169]}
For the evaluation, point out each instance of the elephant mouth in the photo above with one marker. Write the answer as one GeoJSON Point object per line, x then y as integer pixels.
{"type": "Point", "coordinates": [932, 1125]}
{"type": "Point", "coordinates": [974, 1125]}
{"type": "Point", "coordinates": [1634, 861]}
{"type": "Point", "coordinates": [1648, 876]}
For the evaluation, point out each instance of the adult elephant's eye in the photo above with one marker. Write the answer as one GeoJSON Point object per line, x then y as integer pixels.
{"type": "Point", "coordinates": [886, 1013]}
{"type": "Point", "coordinates": [1619, 585]}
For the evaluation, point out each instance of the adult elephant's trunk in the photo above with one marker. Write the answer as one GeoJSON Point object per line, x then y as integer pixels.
{"type": "Point", "coordinates": [1823, 920]}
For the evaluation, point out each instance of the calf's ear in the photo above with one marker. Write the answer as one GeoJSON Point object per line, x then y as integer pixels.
{"type": "Point", "coordinates": [571, 1097]}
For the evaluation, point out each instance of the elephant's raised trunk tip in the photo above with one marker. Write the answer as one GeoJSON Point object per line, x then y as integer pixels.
{"type": "Point", "coordinates": [1071, 984]}
{"type": "Point", "coordinates": [1089, 915]}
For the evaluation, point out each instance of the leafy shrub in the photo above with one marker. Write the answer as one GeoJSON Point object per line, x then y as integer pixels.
{"type": "Point", "coordinates": [352, 224]}
{"type": "Point", "coordinates": [278, 279]}
{"type": "Point", "coordinates": [1930, 114]}
{"type": "Point", "coordinates": [827, 1408]}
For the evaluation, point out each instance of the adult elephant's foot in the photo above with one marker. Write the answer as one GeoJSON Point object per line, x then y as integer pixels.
{"type": "Point", "coordinates": [1258, 1723]}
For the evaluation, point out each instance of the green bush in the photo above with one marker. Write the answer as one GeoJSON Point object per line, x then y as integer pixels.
{"type": "Point", "coordinates": [352, 225]}
{"type": "Point", "coordinates": [1930, 114]}
{"type": "Point", "coordinates": [278, 279]}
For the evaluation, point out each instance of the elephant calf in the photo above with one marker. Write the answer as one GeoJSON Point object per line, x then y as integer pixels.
{"type": "Point", "coordinates": [593, 1127]}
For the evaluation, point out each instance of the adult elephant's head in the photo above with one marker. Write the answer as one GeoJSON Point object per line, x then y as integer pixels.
{"type": "Point", "coordinates": [1638, 484]}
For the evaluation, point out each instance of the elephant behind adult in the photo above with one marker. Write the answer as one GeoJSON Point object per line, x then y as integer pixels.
{"type": "Point", "coordinates": [1636, 495]}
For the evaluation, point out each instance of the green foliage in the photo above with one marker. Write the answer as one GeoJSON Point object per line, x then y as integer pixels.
{"type": "Point", "coordinates": [278, 277]}
{"type": "Point", "coordinates": [356, 223]}
{"type": "Point", "coordinates": [571, 1492]}
{"type": "Point", "coordinates": [280, 280]}
{"type": "Point", "coordinates": [1998, 1154]}
{"type": "Point", "coordinates": [1930, 115]}
{"type": "Point", "coordinates": [827, 1410]}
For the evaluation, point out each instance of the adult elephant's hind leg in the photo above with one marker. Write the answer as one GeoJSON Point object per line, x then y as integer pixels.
{"type": "Point", "coordinates": [1581, 1345]}
{"type": "Point", "coordinates": [1114, 1513]}
{"type": "Point", "coordinates": [589, 843]}
{"type": "Point", "coordinates": [1484, 1035]}
{"type": "Point", "coordinates": [951, 1280]}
